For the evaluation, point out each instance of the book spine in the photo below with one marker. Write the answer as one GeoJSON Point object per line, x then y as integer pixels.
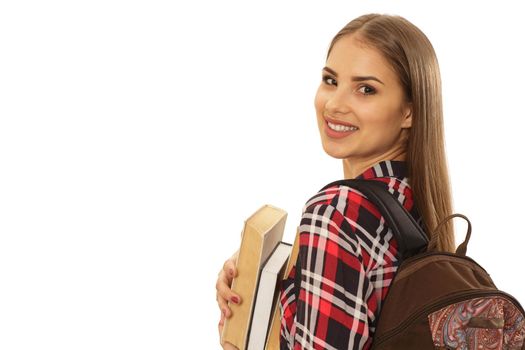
{"type": "Point", "coordinates": [236, 327]}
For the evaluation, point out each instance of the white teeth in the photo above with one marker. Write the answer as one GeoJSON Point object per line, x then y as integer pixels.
{"type": "Point", "coordinates": [341, 128]}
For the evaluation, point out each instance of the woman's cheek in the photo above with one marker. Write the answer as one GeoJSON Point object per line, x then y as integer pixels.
{"type": "Point", "coordinates": [319, 98]}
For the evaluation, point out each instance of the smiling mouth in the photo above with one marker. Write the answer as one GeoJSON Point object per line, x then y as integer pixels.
{"type": "Point", "coordinates": [338, 131]}
{"type": "Point", "coordinates": [341, 128]}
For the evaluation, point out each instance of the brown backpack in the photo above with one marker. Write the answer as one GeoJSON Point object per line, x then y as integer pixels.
{"type": "Point", "coordinates": [439, 300]}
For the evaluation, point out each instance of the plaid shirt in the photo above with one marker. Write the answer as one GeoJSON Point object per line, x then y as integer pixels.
{"type": "Point", "coordinates": [348, 260]}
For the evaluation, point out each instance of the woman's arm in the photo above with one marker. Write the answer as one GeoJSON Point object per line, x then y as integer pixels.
{"type": "Point", "coordinates": [336, 301]}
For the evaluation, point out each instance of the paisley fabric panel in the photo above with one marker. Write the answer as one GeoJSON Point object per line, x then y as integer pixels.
{"type": "Point", "coordinates": [482, 323]}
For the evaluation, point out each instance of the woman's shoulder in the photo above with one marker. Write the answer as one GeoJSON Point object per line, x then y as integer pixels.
{"type": "Point", "coordinates": [344, 197]}
{"type": "Point", "coordinates": [353, 208]}
{"type": "Point", "coordinates": [346, 211]}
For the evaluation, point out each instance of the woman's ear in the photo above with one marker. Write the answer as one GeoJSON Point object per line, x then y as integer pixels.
{"type": "Point", "coordinates": [407, 116]}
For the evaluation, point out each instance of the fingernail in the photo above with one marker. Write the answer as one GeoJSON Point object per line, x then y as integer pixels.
{"type": "Point", "coordinates": [235, 300]}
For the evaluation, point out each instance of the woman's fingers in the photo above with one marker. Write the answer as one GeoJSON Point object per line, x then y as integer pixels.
{"type": "Point", "coordinates": [225, 345]}
{"type": "Point", "coordinates": [229, 268]}
{"type": "Point", "coordinates": [225, 294]}
{"type": "Point", "coordinates": [221, 326]}
{"type": "Point", "coordinates": [228, 346]}
{"type": "Point", "coordinates": [225, 309]}
{"type": "Point", "coordinates": [223, 286]}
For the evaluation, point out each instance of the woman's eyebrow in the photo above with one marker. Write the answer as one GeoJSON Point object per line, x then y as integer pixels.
{"type": "Point", "coordinates": [354, 78]}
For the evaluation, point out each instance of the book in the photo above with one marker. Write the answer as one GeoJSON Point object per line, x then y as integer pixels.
{"type": "Point", "coordinates": [266, 296]}
{"type": "Point", "coordinates": [272, 341]}
{"type": "Point", "coordinates": [262, 232]}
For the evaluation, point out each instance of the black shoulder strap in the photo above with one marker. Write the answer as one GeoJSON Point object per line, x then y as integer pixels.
{"type": "Point", "coordinates": [410, 237]}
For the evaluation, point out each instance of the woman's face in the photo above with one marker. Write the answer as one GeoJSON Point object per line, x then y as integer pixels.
{"type": "Point", "coordinates": [360, 105]}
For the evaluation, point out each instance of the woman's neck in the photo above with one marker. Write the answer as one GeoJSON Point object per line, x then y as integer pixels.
{"type": "Point", "coordinates": [352, 168]}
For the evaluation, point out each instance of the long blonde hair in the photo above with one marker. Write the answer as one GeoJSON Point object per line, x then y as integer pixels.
{"type": "Point", "coordinates": [412, 57]}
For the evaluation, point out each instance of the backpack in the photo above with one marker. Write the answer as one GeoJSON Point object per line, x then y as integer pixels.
{"type": "Point", "coordinates": [438, 300]}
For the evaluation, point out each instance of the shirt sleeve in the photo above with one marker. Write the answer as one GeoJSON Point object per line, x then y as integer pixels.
{"type": "Point", "coordinates": [335, 304]}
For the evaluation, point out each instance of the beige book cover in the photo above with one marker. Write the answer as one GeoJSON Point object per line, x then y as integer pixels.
{"type": "Point", "coordinates": [263, 230]}
{"type": "Point", "coordinates": [272, 342]}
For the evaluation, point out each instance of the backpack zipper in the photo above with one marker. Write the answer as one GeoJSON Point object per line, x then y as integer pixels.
{"type": "Point", "coordinates": [450, 299]}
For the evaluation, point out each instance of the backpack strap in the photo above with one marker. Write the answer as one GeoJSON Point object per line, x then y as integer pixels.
{"type": "Point", "coordinates": [462, 248]}
{"type": "Point", "coordinates": [409, 235]}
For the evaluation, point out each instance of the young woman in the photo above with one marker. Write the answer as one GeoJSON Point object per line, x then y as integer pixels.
{"type": "Point", "coordinates": [378, 109]}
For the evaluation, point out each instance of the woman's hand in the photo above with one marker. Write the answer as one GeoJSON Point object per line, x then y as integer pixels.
{"type": "Point", "coordinates": [225, 345]}
{"type": "Point", "coordinates": [225, 294]}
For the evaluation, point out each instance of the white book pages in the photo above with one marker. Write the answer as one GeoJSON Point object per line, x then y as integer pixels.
{"type": "Point", "coordinates": [266, 297]}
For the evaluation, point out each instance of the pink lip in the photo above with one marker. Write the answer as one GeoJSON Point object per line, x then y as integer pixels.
{"type": "Point", "coordinates": [337, 134]}
{"type": "Point", "coordinates": [340, 122]}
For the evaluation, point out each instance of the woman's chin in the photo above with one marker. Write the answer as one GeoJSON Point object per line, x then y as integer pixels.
{"type": "Point", "coordinates": [336, 153]}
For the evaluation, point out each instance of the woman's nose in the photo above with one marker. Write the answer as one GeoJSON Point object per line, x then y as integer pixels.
{"type": "Point", "coordinates": [338, 102]}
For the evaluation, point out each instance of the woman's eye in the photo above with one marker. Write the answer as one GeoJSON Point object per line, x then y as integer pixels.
{"type": "Point", "coordinates": [366, 90]}
{"type": "Point", "coordinates": [329, 80]}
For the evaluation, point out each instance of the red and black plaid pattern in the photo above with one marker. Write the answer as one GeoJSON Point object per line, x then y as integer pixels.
{"type": "Point", "coordinates": [348, 258]}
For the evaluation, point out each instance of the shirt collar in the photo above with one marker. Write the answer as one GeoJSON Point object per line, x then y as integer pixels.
{"type": "Point", "coordinates": [386, 168]}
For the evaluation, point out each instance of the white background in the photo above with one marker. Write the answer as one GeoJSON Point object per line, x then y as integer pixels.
{"type": "Point", "coordinates": [136, 137]}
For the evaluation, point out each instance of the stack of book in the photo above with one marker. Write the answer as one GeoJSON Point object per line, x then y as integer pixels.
{"type": "Point", "coordinates": [261, 265]}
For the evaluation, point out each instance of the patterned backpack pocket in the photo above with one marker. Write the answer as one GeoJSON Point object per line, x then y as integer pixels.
{"type": "Point", "coordinates": [491, 322]}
